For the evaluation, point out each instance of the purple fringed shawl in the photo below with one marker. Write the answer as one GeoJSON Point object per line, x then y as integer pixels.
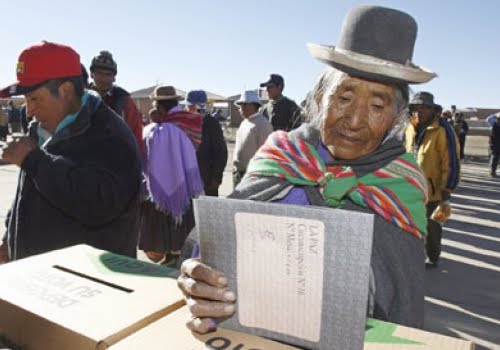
{"type": "Point", "coordinates": [172, 173]}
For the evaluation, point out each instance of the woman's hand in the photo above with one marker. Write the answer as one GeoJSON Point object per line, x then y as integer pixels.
{"type": "Point", "coordinates": [207, 295]}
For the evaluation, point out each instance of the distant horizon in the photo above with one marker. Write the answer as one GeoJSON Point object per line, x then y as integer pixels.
{"type": "Point", "coordinates": [226, 49]}
{"type": "Point", "coordinates": [462, 109]}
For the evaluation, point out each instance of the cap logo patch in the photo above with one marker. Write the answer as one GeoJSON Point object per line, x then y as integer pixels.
{"type": "Point", "coordinates": [20, 67]}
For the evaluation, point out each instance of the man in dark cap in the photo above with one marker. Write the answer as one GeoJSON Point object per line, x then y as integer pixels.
{"type": "Point", "coordinates": [103, 70]}
{"type": "Point", "coordinates": [461, 130]}
{"type": "Point", "coordinates": [212, 152]}
{"type": "Point", "coordinates": [282, 112]}
{"type": "Point", "coordinates": [80, 169]}
{"type": "Point", "coordinates": [494, 144]}
{"type": "Point", "coordinates": [435, 147]}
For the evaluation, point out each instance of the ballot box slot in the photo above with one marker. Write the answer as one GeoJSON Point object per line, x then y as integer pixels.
{"type": "Point", "coordinates": [97, 280]}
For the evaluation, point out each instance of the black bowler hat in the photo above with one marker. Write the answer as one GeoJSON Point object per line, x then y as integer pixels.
{"type": "Point", "coordinates": [375, 43]}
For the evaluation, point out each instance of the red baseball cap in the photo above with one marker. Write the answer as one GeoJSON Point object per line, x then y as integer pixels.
{"type": "Point", "coordinates": [41, 62]}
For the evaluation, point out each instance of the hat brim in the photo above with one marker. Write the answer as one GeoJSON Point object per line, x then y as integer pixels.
{"type": "Point", "coordinates": [195, 104]}
{"type": "Point", "coordinates": [237, 103]}
{"type": "Point", "coordinates": [16, 89]}
{"type": "Point", "coordinates": [160, 98]}
{"type": "Point", "coordinates": [421, 103]}
{"type": "Point", "coordinates": [372, 67]}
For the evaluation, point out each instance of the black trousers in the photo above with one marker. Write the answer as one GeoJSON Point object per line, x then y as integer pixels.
{"type": "Point", "coordinates": [461, 141]}
{"type": "Point", "coordinates": [214, 192]}
{"type": "Point", "coordinates": [434, 234]}
{"type": "Point", "coordinates": [4, 131]}
{"type": "Point", "coordinates": [494, 156]}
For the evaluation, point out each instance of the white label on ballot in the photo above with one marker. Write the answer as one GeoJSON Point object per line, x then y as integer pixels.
{"type": "Point", "coordinates": [280, 273]}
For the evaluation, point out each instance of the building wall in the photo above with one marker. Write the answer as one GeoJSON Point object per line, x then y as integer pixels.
{"type": "Point", "coordinates": [143, 105]}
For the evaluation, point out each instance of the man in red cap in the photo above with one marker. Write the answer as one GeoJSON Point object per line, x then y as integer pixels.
{"type": "Point", "coordinates": [79, 165]}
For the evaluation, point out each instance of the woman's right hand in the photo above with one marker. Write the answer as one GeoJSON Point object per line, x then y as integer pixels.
{"type": "Point", "coordinates": [207, 295]}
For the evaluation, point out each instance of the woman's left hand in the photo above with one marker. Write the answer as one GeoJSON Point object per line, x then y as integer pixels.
{"type": "Point", "coordinates": [207, 295]}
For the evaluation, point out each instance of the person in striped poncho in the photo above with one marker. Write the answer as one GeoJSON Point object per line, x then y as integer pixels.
{"type": "Point", "coordinates": [349, 155]}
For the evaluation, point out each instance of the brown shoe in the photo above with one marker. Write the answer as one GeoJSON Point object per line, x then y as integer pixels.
{"type": "Point", "coordinates": [155, 256]}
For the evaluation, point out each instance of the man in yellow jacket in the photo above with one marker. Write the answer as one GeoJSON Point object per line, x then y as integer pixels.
{"type": "Point", "coordinates": [434, 144]}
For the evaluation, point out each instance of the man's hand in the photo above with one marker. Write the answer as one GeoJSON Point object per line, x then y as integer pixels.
{"type": "Point", "coordinates": [445, 196]}
{"type": "Point", "coordinates": [207, 295]}
{"type": "Point", "coordinates": [4, 253]}
{"type": "Point", "coordinates": [16, 151]}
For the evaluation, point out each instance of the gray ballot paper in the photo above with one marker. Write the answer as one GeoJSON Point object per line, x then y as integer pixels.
{"type": "Point", "coordinates": [300, 272]}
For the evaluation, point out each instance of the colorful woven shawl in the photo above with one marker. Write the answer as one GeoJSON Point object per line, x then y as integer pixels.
{"type": "Point", "coordinates": [188, 122]}
{"type": "Point", "coordinates": [397, 192]}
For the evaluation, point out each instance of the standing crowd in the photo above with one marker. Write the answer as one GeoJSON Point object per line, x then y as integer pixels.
{"type": "Point", "coordinates": [91, 172]}
{"type": "Point", "coordinates": [13, 120]}
{"type": "Point", "coordinates": [142, 187]}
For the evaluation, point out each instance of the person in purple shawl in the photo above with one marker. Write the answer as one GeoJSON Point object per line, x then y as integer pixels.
{"type": "Point", "coordinates": [172, 176]}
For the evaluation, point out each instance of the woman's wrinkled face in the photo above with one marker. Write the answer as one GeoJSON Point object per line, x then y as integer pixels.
{"type": "Point", "coordinates": [359, 115]}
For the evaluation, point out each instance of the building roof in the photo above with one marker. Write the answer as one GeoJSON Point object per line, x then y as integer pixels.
{"type": "Point", "coordinates": [144, 93]}
{"type": "Point", "coordinates": [482, 113]}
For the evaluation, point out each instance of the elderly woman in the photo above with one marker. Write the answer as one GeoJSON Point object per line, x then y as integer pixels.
{"type": "Point", "coordinates": [350, 155]}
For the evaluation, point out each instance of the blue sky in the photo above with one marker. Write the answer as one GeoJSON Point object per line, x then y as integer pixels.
{"type": "Point", "coordinates": [228, 46]}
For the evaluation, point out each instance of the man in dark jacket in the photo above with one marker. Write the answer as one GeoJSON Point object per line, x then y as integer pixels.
{"type": "Point", "coordinates": [282, 113]}
{"type": "Point", "coordinates": [212, 152]}
{"type": "Point", "coordinates": [461, 130]}
{"type": "Point", "coordinates": [79, 165]}
{"type": "Point", "coordinates": [103, 70]}
{"type": "Point", "coordinates": [495, 145]}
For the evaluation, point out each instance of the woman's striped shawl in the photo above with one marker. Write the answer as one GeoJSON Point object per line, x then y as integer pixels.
{"type": "Point", "coordinates": [397, 192]}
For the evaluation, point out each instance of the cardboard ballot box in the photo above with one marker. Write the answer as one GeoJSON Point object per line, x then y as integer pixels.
{"type": "Point", "coordinates": [82, 298]}
{"type": "Point", "coordinates": [170, 332]}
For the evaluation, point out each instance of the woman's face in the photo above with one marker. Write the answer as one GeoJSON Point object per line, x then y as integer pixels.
{"type": "Point", "coordinates": [358, 117]}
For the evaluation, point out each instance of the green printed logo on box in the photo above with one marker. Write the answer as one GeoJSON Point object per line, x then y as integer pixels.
{"type": "Point", "coordinates": [110, 262]}
{"type": "Point", "coordinates": [381, 332]}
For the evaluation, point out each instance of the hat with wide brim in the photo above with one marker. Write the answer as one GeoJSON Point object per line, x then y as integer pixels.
{"type": "Point", "coordinates": [165, 93]}
{"type": "Point", "coordinates": [375, 43]}
{"type": "Point", "coordinates": [423, 98]}
{"type": "Point", "coordinates": [248, 96]}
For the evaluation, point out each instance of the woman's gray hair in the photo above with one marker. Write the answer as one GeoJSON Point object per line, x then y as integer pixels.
{"type": "Point", "coordinates": [318, 99]}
